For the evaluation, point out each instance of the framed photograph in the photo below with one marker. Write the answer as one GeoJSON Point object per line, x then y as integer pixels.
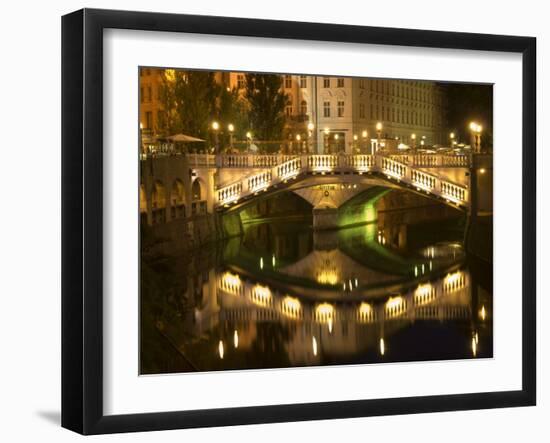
{"type": "Point", "coordinates": [270, 221]}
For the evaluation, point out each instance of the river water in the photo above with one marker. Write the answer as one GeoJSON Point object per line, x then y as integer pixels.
{"type": "Point", "coordinates": [282, 295]}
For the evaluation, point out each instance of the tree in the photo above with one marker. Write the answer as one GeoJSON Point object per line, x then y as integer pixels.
{"type": "Point", "coordinates": [192, 100]}
{"type": "Point", "coordinates": [189, 102]}
{"type": "Point", "coordinates": [266, 104]}
{"type": "Point", "coordinates": [232, 109]}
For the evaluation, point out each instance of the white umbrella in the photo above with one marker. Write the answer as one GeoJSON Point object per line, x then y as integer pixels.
{"type": "Point", "coordinates": [184, 138]}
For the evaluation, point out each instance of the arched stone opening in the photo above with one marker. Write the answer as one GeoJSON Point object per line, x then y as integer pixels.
{"type": "Point", "coordinates": [177, 200]}
{"type": "Point", "coordinates": [198, 197]}
{"type": "Point", "coordinates": [142, 204]}
{"type": "Point", "coordinates": [158, 203]}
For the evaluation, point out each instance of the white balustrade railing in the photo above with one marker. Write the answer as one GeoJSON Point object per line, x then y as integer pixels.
{"type": "Point", "coordinates": [432, 160]}
{"type": "Point", "coordinates": [230, 193]}
{"type": "Point", "coordinates": [422, 180]}
{"type": "Point", "coordinates": [234, 161]}
{"type": "Point", "coordinates": [362, 162]}
{"type": "Point", "coordinates": [322, 162]}
{"type": "Point", "coordinates": [393, 168]}
{"type": "Point", "coordinates": [259, 182]}
{"type": "Point", "coordinates": [265, 161]}
{"type": "Point", "coordinates": [281, 168]}
{"type": "Point", "coordinates": [289, 169]}
{"type": "Point", "coordinates": [453, 192]}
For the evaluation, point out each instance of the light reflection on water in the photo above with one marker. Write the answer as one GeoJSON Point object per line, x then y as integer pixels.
{"type": "Point", "coordinates": [283, 296]}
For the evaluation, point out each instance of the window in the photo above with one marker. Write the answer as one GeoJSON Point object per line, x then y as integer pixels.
{"type": "Point", "coordinates": [288, 81]}
{"type": "Point", "coordinates": [371, 111]}
{"type": "Point", "coordinates": [288, 109]}
{"type": "Point", "coordinates": [303, 107]}
{"type": "Point", "coordinates": [141, 95]}
{"type": "Point", "coordinates": [149, 94]}
{"type": "Point", "coordinates": [148, 120]}
{"type": "Point", "coordinates": [303, 81]}
{"type": "Point", "coordinates": [240, 81]}
{"type": "Point", "coordinates": [326, 82]}
{"type": "Point", "coordinates": [340, 83]}
{"type": "Point", "coordinates": [361, 83]}
{"type": "Point", "coordinates": [361, 110]}
{"type": "Point", "coordinates": [340, 108]}
{"type": "Point", "coordinates": [393, 115]}
{"type": "Point", "coordinates": [326, 109]}
{"type": "Point", "coordinates": [388, 114]}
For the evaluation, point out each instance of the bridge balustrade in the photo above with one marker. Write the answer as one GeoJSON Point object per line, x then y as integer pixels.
{"type": "Point", "coordinates": [259, 181]}
{"type": "Point", "coordinates": [280, 168]}
{"type": "Point", "coordinates": [322, 162]}
{"type": "Point", "coordinates": [361, 162]}
{"type": "Point", "coordinates": [423, 180]}
{"type": "Point", "coordinates": [453, 192]}
{"type": "Point", "coordinates": [290, 168]}
{"type": "Point", "coordinates": [230, 193]}
{"type": "Point", "coordinates": [265, 161]}
{"type": "Point", "coordinates": [234, 161]}
{"type": "Point", "coordinates": [393, 168]}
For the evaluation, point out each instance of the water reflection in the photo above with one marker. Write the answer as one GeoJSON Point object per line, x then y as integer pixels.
{"type": "Point", "coordinates": [283, 296]}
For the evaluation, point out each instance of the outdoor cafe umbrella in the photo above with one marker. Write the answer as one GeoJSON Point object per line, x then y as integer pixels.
{"type": "Point", "coordinates": [183, 138]}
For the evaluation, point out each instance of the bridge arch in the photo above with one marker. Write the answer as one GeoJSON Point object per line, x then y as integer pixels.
{"type": "Point", "coordinates": [158, 202]}
{"type": "Point", "coordinates": [143, 207]}
{"type": "Point", "coordinates": [198, 196]}
{"type": "Point", "coordinates": [177, 200]}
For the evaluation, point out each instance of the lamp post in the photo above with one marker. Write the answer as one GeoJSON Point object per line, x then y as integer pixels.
{"type": "Point", "coordinates": [310, 129]}
{"type": "Point", "coordinates": [355, 148]}
{"type": "Point", "coordinates": [230, 128]}
{"type": "Point", "coordinates": [336, 138]}
{"type": "Point", "coordinates": [475, 130]}
{"type": "Point", "coordinates": [452, 137]}
{"type": "Point", "coordinates": [364, 136]}
{"type": "Point", "coordinates": [413, 139]}
{"type": "Point", "coordinates": [326, 133]}
{"type": "Point", "coordinates": [378, 134]}
{"type": "Point", "coordinates": [216, 128]}
{"type": "Point", "coordinates": [298, 141]}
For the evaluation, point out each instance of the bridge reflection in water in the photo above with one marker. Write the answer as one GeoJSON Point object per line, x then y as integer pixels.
{"type": "Point", "coordinates": [284, 296]}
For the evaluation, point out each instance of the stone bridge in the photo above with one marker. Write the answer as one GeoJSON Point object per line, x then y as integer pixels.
{"type": "Point", "coordinates": [244, 177]}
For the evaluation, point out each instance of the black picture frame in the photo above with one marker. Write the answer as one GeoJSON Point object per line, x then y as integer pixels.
{"type": "Point", "coordinates": [82, 218]}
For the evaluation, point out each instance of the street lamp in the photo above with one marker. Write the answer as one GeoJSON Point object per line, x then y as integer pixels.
{"type": "Point", "coordinates": [378, 133]}
{"type": "Point", "coordinates": [413, 138]}
{"type": "Point", "coordinates": [215, 128]}
{"type": "Point", "coordinates": [336, 143]}
{"type": "Point", "coordinates": [364, 136]}
{"type": "Point", "coordinates": [476, 129]}
{"type": "Point", "coordinates": [230, 128]}
{"type": "Point", "coordinates": [355, 138]}
{"type": "Point", "coordinates": [452, 137]}
{"type": "Point", "coordinates": [310, 128]}
{"type": "Point", "coordinates": [326, 133]}
{"type": "Point", "coordinates": [298, 140]}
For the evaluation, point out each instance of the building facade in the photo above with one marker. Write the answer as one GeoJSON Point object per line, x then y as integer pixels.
{"type": "Point", "coordinates": [333, 114]}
